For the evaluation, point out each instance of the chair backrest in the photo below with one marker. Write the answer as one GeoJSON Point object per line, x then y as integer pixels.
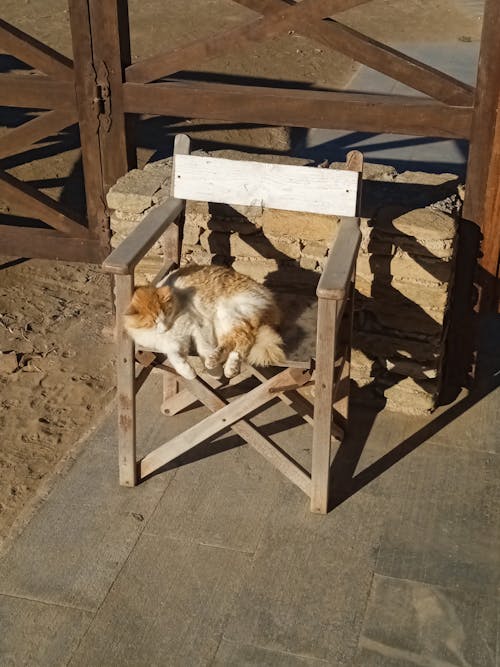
{"type": "Point", "coordinates": [262, 184]}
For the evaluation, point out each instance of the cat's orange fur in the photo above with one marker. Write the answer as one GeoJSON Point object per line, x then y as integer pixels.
{"type": "Point", "coordinates": [242, 315]}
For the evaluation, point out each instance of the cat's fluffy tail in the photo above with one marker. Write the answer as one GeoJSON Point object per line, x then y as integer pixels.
{"type": "Point", "coordinates": [267, 349]}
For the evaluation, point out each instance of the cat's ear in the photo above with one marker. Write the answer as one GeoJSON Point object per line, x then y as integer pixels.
{"type": "Point", "coordinates": [164, 294]}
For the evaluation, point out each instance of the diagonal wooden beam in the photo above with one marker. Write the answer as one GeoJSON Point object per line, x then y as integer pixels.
{"type": "Point", "coordinates": [276, 22]}
{"type": "Point", "coordinates": [35, 53]}
{"type": "Point", "coordinates": [36, 204]}
{"type": "Point", "coordinates": [20, 138]}
{"type": "Point", "coordinates": [378, 56]}
{"type": "Point", "coordinates": [253, 437]}
{"type": "Point", "coordinates": [216, 423]}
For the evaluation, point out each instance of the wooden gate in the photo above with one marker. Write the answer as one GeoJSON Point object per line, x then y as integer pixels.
{"type": "Point", "coordinates": [110, 90]}
{"type": "Point", "coordinates": [70, 92]}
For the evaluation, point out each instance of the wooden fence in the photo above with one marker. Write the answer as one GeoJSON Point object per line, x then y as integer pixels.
{"type": "Point", "coordinates": [102, 90]}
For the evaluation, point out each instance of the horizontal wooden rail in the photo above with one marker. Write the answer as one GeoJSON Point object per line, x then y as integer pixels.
{"type": "Point", "coordinates": [47, 244]}
{"type": "Point", "coordinates": [34, 53]}
{"type": "Point", "coordinates": [300, 108]}
{"type": "Point", "coordinates": [36, 92]}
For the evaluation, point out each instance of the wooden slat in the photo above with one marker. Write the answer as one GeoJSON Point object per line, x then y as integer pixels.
{"type": "Point", "coordinates": [35, 53]}
{"type": "Point", "coordinates": [276, 22]}
{"type": "Point", "coordinates": [36, 92]}
{"type": "Point", "coordinates": [47, 244]}
{"type": "Point", "coordinates": [255, 439]}
{"type": "Point", "coordinates": [124, 258]}
{"type": "Point", "coordinates": [125, 369]}
{"type": "Point", "coordinates": [378, 56]}
{"type": "Point", "coordinates": [286, 187]}
{"type": "Point", "coordinates": [88, 121]}
{"type": "Point", "coordinates": [35, 204]}
{"type": "Point", "coordinates": [334, 281]}
{"type": "Point", "coordinates": [214, 424]}
{"type": "Point", "coordinates": [111, 54]}
{"type": "Point", "coordinates": [322, 432]}
{"type": "Point", "coordinates": [300, 108]}
{"type": "Point", "coordinates": [482, 198]}
{"type": "Point", "coordinates": [20, 138]}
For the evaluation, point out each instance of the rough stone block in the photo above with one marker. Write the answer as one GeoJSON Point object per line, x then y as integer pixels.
{"type": "Point", "coordinates": [404, 267]}
{"type": "Point", "coordinates": [134, 192]}
{"type": "Point", "coordinates": [309, 263]}
{"type": "Point", "coordinates": [315, 250]}
{"type": "Point", "coordinates": [190, 233]}
{"type": "Point", "coordinates": [259, 270]}
{"type": "Point", "coordinates": [427, 297]}
{"type": "Point", "coordinates": [423, 224]}
{"type": "Point", "coordinates": [303, 226]}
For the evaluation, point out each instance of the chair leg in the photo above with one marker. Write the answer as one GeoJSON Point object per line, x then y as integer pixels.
{"type": "Point", "coordinates": [322, 429]}
{"type": "Point", "coordinates": [125, 366]}
{"type": "Point", "coordinates": [170, 389]}
{"type": "Point", "coordinates": [341, 406]}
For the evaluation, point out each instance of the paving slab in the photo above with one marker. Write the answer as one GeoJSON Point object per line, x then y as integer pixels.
{"type": "Point", "coordinates": [220, 500]}
{"type": "Point", "coordinates": [35, 633]}
{"type": "Point", "coordinates": [441, 519]}
{"type": "Point", "coordinates": [72, 550]}
{"type": "Point", "coordinates": [245, 655]}
{"type": "Point", "coordinates": [309, 580]}
{"type": "Point", "coordinates": [168, 606]}
{"type": "Point", "coordinates": [408, 623]}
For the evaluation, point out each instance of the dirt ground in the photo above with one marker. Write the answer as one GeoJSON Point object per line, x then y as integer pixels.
{"type": "Point", "coordinates": [56, 366]}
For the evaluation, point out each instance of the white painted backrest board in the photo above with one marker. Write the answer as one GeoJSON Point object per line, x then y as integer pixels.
{"type": "Point", "coordinates": [287, 187]}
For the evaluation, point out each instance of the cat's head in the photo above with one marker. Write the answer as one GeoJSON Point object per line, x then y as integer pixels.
{"type": "Point", "coordinates": [151, 308]}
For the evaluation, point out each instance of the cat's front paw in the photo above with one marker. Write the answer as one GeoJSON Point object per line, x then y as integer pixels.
{"type": "Point", "coordinates": [232, 365]}
{"type": "Point", "coordinates": [187, 372]}
{"type": "Point", "coordinates": [212, 360]}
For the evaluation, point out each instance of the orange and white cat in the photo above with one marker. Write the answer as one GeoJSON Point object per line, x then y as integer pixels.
{"type": "Point", "coordinates": [229, 317]}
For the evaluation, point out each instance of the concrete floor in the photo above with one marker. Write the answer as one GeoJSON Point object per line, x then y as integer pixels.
{"type": "Point", "coordinates": [219, 562]}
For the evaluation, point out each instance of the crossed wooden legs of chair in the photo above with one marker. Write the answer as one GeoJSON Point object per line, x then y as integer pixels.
{"type": "Point", "coordinates": [287, 385]}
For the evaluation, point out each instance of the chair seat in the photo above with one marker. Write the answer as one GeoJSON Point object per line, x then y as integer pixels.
{"type": "Point", "coordinates": [298, 326]}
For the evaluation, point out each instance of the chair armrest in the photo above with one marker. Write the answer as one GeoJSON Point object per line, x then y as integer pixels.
{"type": "Point", "coordinates": [124, 258]}
{"type": "Point", "coordinates": [334, 281]}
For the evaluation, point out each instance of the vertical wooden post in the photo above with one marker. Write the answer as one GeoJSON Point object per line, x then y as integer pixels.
{"type": "Point", "coordinates": [111, 55]}
{"type": "Point", "coordinates": [322, 430]}
{"type": "Point", "coordinates": [341, 405]}
{"type": "Point", "coordinates": [125, 365]}
{"type": "Point", "coordinates": [88, 119]}
{"type": "Point", "coordinates": [482, 200]}
{"type": "Point", "coordinates": [101, 51]}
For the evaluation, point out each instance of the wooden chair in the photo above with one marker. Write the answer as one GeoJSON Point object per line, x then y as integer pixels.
{"type": "Point", "coordinates": [328, 191]}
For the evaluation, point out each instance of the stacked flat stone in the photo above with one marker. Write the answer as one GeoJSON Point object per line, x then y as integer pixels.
{"type": "Point", "coordinates": [404, 272]}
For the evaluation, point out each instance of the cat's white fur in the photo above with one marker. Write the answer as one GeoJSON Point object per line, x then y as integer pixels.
{"type": "Point", "coordinates": [204, 323]}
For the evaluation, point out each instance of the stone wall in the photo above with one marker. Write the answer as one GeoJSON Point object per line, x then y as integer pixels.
{"type": "Point", "coordinates": [404, 272]}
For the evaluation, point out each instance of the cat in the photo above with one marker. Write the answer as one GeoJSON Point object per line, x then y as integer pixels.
{"type": "Point", "coordinates": [228, 316]}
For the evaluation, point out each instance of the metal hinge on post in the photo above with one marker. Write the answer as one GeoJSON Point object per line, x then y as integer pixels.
{"type": "Point", "coordinates": [101, 102]}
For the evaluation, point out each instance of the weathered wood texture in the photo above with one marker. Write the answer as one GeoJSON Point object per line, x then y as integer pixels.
{"type": "Point", "coordinates": [33, 52]}
{"type": "Point", "coordinates": [287, 187]}
{"type": "Point", "coordinates": [125, 369]}
{"type": "Point", "coordinates": [301, 108]}
{"type": "Point", "coordinates": [482, 201]}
